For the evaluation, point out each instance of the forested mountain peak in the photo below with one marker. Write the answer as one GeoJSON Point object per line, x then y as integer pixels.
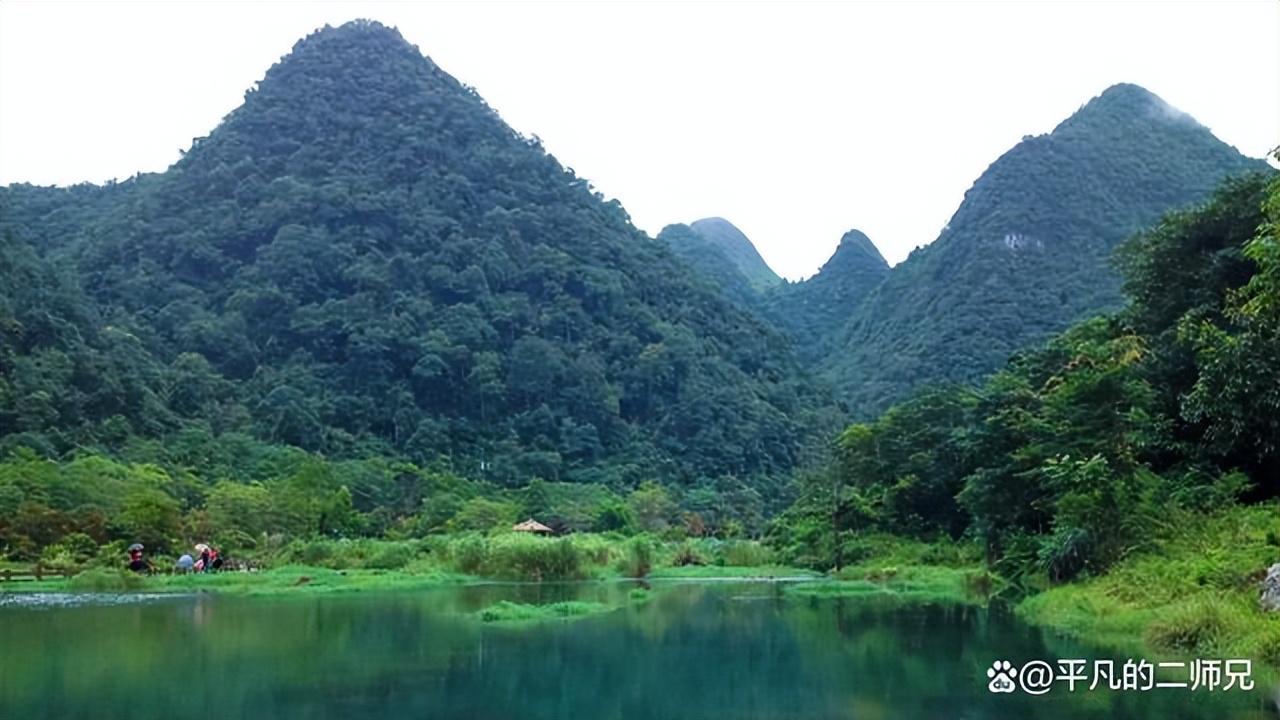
{"type": "Point", "coordinates": [364, 260]}
{"type": "Point", "coordinates": [739, 250]}
{"type": "Point", "coordinates": [855, 254]}
{"type": "Point", "coordinates": [1124, 104]}
{"type": "Point", "coordinates": [815, 309]}
{"type": "Point", "coordinates": [711, 261]}
{"type": "Point", "coordinates": [1027, 252]}
{"type": "Point", "coordinates": [361, 87]}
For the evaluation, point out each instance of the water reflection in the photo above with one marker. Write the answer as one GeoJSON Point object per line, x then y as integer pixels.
{"type": "Point", "coordinates": [693, 651]}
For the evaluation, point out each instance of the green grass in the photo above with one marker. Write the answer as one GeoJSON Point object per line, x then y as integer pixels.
{"type": "Point", "coordinates": [922, 583]}
{"type": "Point", "coordinates": [1195, 593]}
{"type": "Point", "coordinates": [515, 613]}
{"type": "Point", "coordinates": [368, 564]}
{"type": "Point", "coordinates": [730, 571]}
{"type": "Point", "coordinates": [291, 579]}
{"type": "Point", "coordinates": [909, 570]}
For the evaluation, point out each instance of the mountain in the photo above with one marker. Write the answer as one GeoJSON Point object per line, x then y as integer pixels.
{"type": "Point", "coordinates": [364, 259]}
{"type": "Point", "coordinates": [720, 253]}
{"type": "Point", "coordinates": [814, 310]}
{"type": "Point", "coordinates": [742, 254]}
{"type": "Point", "coordinates": [1027, 252]}
{"type": "Point", "coordinates": [711, 264]}
{"type": "Point", "coordinates": [811, 311]}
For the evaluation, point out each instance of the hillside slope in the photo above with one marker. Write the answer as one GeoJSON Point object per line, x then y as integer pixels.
{"type": "Point", "coordinates": [364, 259]}
{"type": "Point", "coordinates": [1027, 252]}
{"type": "Point", "coordinates": [814, 311]}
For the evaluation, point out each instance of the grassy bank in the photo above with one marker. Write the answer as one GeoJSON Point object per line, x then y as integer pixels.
{"type": "Point", "coordinates": [366, 564]}
{"type": "Point", "coordinates": [917, 583]}
{"type": "Point", "coordinates": [1194, 593]}
{"type": "Point", "coordinates": [884, 565]}
{"type": "Point", "coordinates": [289, 579]}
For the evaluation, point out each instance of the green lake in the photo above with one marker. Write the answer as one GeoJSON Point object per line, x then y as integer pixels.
{"type": "Point", "coordinates": [694, 650]}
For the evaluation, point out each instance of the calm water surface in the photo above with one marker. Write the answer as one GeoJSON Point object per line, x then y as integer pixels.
{"type": "Point", "coordinates": [713, 650]}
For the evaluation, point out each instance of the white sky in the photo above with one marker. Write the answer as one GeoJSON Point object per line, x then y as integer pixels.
{"type": "Point", "coordinates": [796, 121]}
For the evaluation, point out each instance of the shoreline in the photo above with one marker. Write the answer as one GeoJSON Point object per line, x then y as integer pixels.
{"type": "Point", "coordinates": [306, 580]}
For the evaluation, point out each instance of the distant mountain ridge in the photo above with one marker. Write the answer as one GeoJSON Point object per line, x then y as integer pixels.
{"type": "Point", "coordinates": [738, 249]}
{"type": "Point", "coordinates": [813, 311]}
{"type": "Point", "coordinates": [719, 252]}
{"type": "Point", "coordinates": [810, 311]}
{"type": "Point", "coordinates": [1027, 252]}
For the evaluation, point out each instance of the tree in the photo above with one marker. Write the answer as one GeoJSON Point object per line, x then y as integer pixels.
{"type": "Point", "coordinates": [652, 505]}
{"type": "Point", "coordinates": [239, 508]}
{"type": "Point", "coordinates": [484, 514]}
{"type": "Point", "coordinates": [151, 517]}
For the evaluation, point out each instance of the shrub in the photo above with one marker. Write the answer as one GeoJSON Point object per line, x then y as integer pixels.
{"type": "Point", "coordinates": [687, 555]}
{"type": "Point", "coordinates": [746, 553]}
{"type": "Point", "coordinates": [484, 514]}
{"type": "Point", "coordinates": [637, 558]}
{"type": "Point", "coordinates": [390, 557]}
{"type": "Point", "coordinates": [614, 516]}
{"type": "Point", "coordinates": [526, 557]}
{"type": "Point", "coordinates": [105, 580]}
{"type": "Point", "coordinates": [315, 552]}
{"type": "Point", "coordinates": [70, 552]}
{"type": "Point", "coordinates": [150, 517]}
{"type": "Point", "coordinates": [595, 550]}
{"type": "Point", "coordinates": [1065, 553]}
{"type": "Point", "coordinates": [469, 553]}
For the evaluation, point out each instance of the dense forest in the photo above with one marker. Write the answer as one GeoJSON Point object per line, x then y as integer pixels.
{"type": "Point", "coordinates": [716, 246]}
{"type": "Point", "coordinates": [1076, 452]}
{"type": "Point", "coordinates": [364, 260]}
{"type": "Point", "coordinates": [1028, 251]}
{"type": "Point", "coordinates": [814, 312]}
{"type": "Point", "coordinates": [364, 306]}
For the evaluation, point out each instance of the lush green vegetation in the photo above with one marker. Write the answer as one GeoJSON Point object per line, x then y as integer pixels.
{"type": "Point", "coordinates": [1125, 453]}
{"type": "Point", "coordinates": [1195, 593]}
{"type": "Point", "coordinates": [908, 570]}
{"type": "Point", "coordinates": [815, 311]}
{"type": "Point", "coordinates": [1028, 251]}
{"type": "Point", "coordinates": [1026, 254]}
{"type": "Point", "coordinates": [505, 611]}
{"type": "Point", "coordinates": [364, 327]}
{"type": "Point", "coordinates": [364, 261]}
{"type": "Point", "coordinates": [811, 312]}
{"type": "Point", "coordinates": [721, 253]}
{"type": "Point", "coordinates": [372, 514]}
{"type": "Point", "coordinates": [320, 564]}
